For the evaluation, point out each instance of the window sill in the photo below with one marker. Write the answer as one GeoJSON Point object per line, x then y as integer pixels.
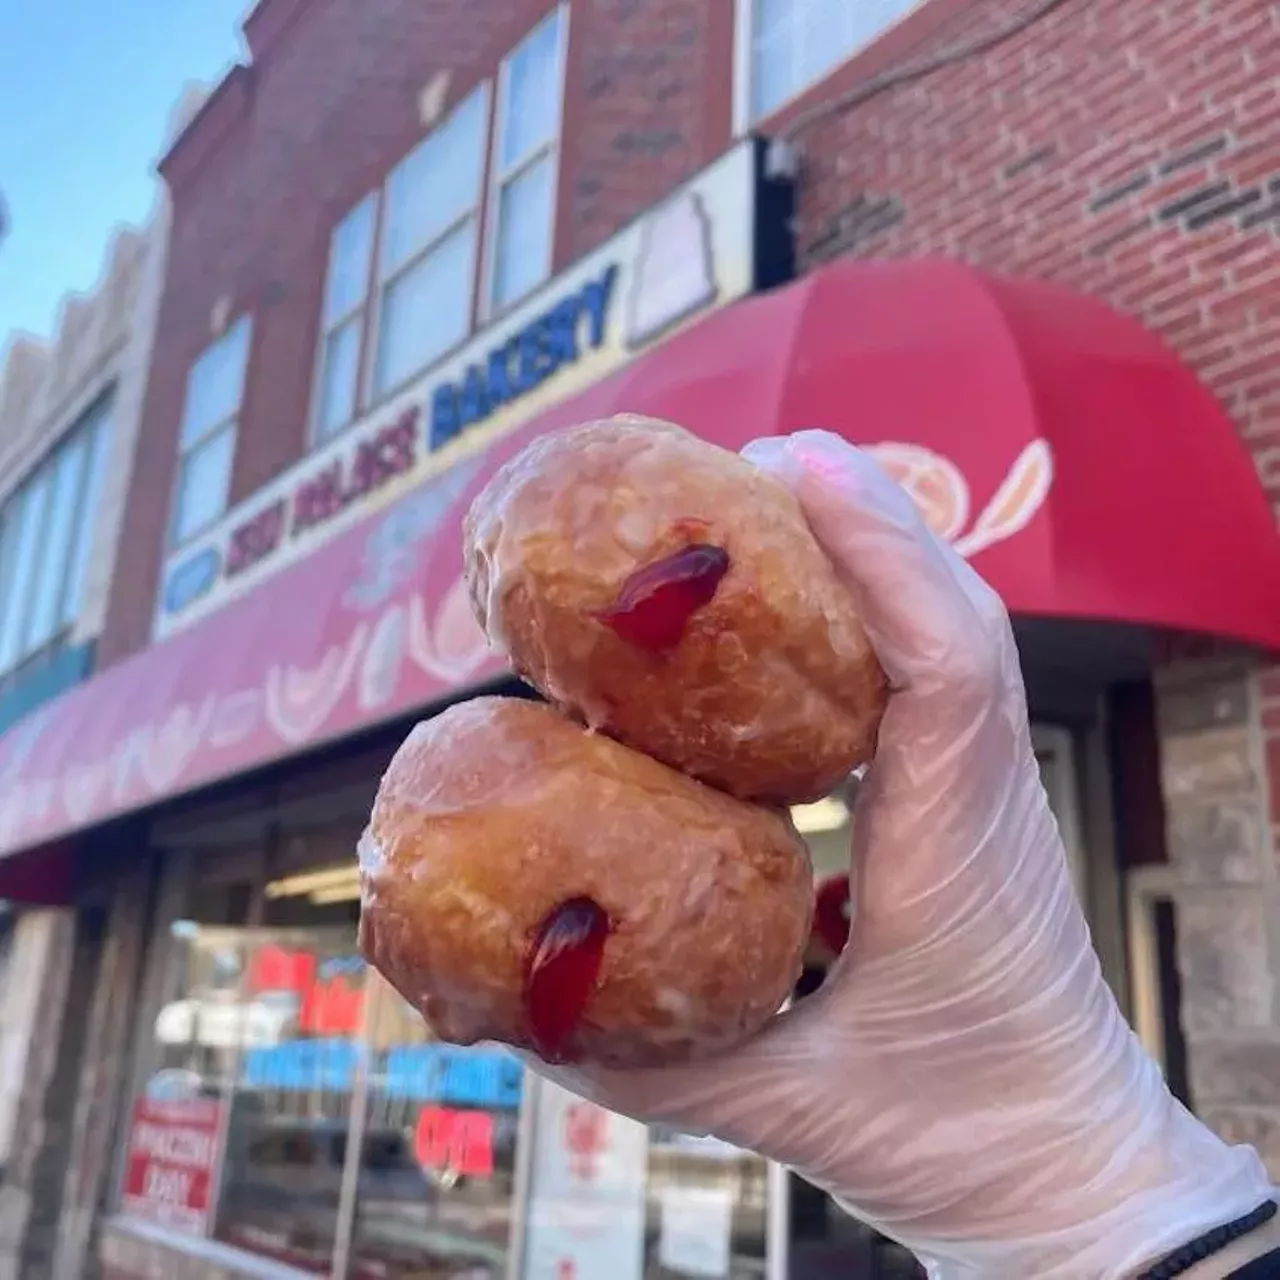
{"type": "Point", "coordinates": [130, 1247]}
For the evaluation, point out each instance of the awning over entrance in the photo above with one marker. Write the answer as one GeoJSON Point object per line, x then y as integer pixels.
{"type": "Point", "coordinates": [1086, 472]}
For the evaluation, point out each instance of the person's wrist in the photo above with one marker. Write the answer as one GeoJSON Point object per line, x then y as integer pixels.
{"type": "Point", "coordinates": [1123, 1197]}
{"type": "Point", "coordinates": [1231, 1258]}
{"type": "Point", "coordinates": [1187, 1181]}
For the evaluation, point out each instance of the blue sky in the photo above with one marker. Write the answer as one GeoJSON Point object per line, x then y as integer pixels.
{"type": "Point", "coordinates": [86, 87]}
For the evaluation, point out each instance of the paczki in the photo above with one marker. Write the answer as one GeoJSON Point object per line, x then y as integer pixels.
{"type": "Point", "coordinates": [614, 878]}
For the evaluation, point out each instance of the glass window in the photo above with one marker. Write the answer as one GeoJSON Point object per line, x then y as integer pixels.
{"type": "Point", "coordinates": [215, 385]}
{"type": "Point", "coordinates": [414, 326]}
{"type": "Point", "coordinates": [346, 292]}
{"type": "Point", "coordinates": [8, 542]}
{"type": "Point", "coordinates": [210, 417]}
{"type": "Point", "coordinates": [427, 253]}
{"type": "Point", "coordinates": [99, 437]}
{"type": "Point", "coordinates": [60, 526]}
{"type": "Point", "coordinates": [794, 43]}
{"type": "Point", "coordinates": [289, 1103]}
{"type": "Point", "coordinates": [349, 258]}
{"type": "Point", "coordinates": [301, 997]}
{"type": "Point", "coordinates": [22, 573]}
{"type": "Point", "coordinates": [525, 211]}
{"type": "Point", "coordinates": [436, 1183]}
{"type": "Point", "coordinates": [524, 171]}
{"type": "Point", "coordinates": [531, 110]}
{"type": "Point", "coordinates": [203, 483]}
{"type": "Point", "coordinates": [339, 377]}
{"type": "Point", "coordinates": [243, 1098]}
{"type": "Point", "coordinates": [435, 185]}
{"type": "Point", "coordinates": [718, 1194]}
{"type": "Point", "coordinates": [46, 531]}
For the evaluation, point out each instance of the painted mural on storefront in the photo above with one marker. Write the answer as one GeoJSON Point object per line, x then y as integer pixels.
{"type": "Point", "coordinates": [696, 251]}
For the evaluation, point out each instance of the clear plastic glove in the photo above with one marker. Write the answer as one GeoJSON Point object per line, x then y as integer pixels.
{"type": "Point", "coordinates": [963, 1081]}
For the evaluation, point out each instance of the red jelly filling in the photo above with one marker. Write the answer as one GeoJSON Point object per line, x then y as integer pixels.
{"type": "Point", "coordinates": [561, 971]}
{"type": "Point", "coordinates": [831, 912]}
{"type": "Point", "coordinates": [656, 602]}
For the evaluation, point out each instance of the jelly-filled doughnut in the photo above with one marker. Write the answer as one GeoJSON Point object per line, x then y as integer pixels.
{"type": "Point", "coordinates": [670, 594]}
{"type": "Point", "coordinates": [527, 881]}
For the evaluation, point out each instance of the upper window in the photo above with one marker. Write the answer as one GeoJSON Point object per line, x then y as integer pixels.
{"type": "Point", "coordinates": [790, 44]}
{"type": "Point", "coordinates": [401, 289]}
{"type": "Point", "coordinates": [46, 531]}
{"type": "Point", "coordinates": [342, 330]}
{"type": "Point", "coordinates": [207, 441]}
{"type": "Point", "coordinates": [522, 200]}
{"type": "Point", "coordinates": [427, 253]}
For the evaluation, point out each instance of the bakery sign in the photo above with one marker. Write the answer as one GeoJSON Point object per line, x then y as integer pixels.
{"type": "Point", "coordinates": [719, 236]}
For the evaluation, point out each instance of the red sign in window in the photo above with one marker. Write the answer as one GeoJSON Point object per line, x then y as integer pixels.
{"type": "Point", "coordinates": [326, 1006]}
{"type": "Point", "coordinates": [172, 1153]}
{"type": "Point", "coordinates": [455, 1141]}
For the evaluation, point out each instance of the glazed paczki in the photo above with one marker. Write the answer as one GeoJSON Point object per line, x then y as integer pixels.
{"type": "Point", "coordinates": [669, 594]}
{"type": "Point", "coordinates": [614, 878]}
{"type": "Point", "coordinates": [527, 881]}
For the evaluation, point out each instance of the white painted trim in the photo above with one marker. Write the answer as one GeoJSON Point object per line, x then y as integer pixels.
{"type": "Point", "coordinates": [777, 1236]}
{"type": "Point", "coordinates": [499, 176]}
{"type": "Point", "coordinates": [742, 25]}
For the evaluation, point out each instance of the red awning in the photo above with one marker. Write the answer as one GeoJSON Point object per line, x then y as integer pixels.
{"type": "Point", "coordinates": [1061, 446]}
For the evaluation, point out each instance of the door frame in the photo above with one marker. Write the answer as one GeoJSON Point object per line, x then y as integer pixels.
{"type": "Point", "coordinates": [1146, 888]}
{"type": "Point", "coordinates": [1062, 783]}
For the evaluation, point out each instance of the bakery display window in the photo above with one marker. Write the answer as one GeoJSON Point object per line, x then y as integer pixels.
{"type": "Point", "coordinates": [302, 992]}
{"type": "Point", "coordinates": [435, 1186]}
{"type": "Point", "coordinates": [288, 1104]}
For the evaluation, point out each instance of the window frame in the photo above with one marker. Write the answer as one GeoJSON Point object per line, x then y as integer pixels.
{"type": "Point", "coordinates": [744, 13]}
{"type": "Point", "coordinates": [74, 495]}
{"type": "Point", "coordinates": [229, 422]}
{"type": "Point", "coordinates": [500, 177]}
{"type": "Point", "coordinates": [91, 478]}
{"type": "Point", "coordinates": [88, 432]}
{"type": "Point", "coordinates": [361, 314]}
{"type": "Point", "coordinates": [381, 283]}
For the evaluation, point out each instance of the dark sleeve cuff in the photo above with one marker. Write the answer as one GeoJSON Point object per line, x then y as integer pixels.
{"type": "Point", "coordinates": [1266, 1267]}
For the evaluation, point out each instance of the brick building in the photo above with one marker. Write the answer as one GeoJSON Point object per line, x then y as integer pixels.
{"type": "Point", "coordinates": [388, 203]}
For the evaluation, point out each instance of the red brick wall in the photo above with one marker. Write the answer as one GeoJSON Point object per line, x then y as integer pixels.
{"type": "Point", "coordinates": [1129, 150]}
{"type": "Point", "coordinates": [329, 106]}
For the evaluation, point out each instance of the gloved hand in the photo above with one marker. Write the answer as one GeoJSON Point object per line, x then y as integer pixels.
{"type": "Point", "coordinates": [964, 1081]}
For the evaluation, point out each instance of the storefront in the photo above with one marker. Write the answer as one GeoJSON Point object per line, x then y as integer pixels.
{"type": "Point", "coordinates": [281, 1111]}
{"type": "Point", "coordinates": [291, 1115]}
